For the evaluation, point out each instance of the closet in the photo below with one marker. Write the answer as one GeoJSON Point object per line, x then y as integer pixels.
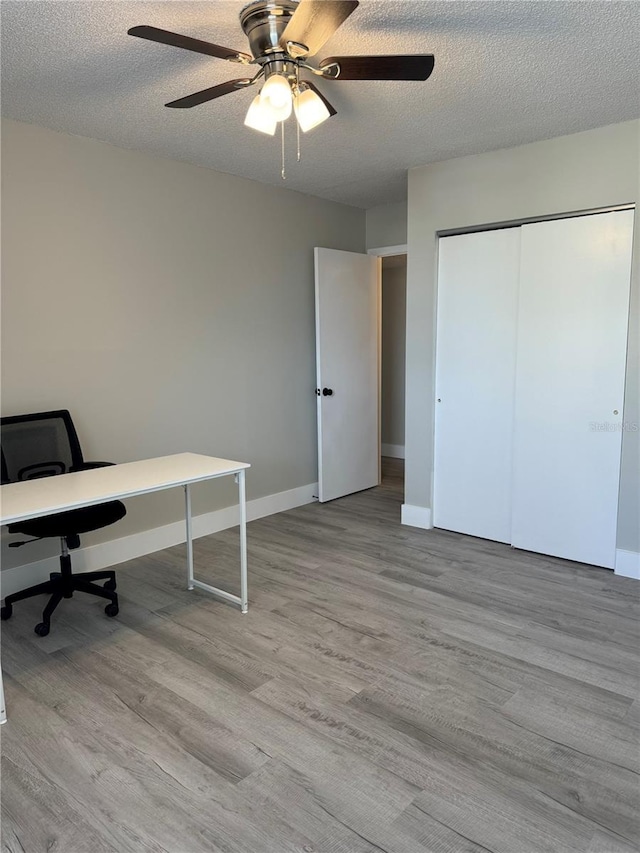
{"type": "Point", "coordinates": [531, 346]}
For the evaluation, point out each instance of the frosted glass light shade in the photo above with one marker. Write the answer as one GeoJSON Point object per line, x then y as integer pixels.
{"type": "Point", "coordinates": [260, 117]}
{"type": "Point", "coordinates": [310, 110]}
{"type": "Point", "coordinates": [276, 94]}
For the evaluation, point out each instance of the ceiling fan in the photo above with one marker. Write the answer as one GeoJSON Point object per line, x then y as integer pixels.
{"type": "Point", "coordinates": [282, 35]}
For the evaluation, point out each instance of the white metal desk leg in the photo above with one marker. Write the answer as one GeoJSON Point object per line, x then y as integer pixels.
{"type": "Point", "coordinates": [3, 713]}
{"type": "Point", "coordinates": [244, 595]}
{"type": "Point", "coordinates": [187, 516]}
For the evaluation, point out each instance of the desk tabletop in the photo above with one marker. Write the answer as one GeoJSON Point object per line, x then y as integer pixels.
{"type": "Point", "coordinates": [49, 495]}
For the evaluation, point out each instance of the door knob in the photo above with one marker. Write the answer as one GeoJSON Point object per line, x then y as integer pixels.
{"type": "Point", "coordinates": [327, 392]}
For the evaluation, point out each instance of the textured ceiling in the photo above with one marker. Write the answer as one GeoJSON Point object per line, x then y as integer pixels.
{"type": "Point", "coordinates": [506, 73]}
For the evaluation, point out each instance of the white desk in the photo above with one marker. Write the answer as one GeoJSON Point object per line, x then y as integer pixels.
{"type": "Point", "coordinates": [50, 495]}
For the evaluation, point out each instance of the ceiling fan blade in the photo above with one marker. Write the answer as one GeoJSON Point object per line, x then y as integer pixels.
{"type": "Point", "coordinates": [209, 94]}
{"type": "Point", "coordinates": [315, 21]}
{"type": "Point", "coordinates": [418, 67]}
{"type": "Point", "coordinates": [187, 43]}
{"type": "Point", "coordinates": [332, 110]}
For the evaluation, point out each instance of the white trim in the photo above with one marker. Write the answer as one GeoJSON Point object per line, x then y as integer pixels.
{"type": "Point", "coordinates": [395, 451]}
{"type": "Point", "coordinates": [416, 516]}
{"type": "Point", "coordinates": [389, 251]}
{"type": "Point", "coordinates": [628, 564]}
{"type": "Point", "coordinates": [116, 551]}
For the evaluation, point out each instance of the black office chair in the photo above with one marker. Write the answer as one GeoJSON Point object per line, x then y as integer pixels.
{"type": "Point", "coordinates": [46, 444]}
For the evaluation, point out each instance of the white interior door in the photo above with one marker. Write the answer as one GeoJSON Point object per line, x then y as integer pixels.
{"type": "Point", "coordinates": [348, 371]}
{"type": "Point", "coordinates": [475, 375]}
{"type": "Point", "coordinates": [572, 340]}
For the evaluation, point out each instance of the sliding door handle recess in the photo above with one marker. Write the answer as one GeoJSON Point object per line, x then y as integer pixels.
{"type": "Point", "coordinates": [327, 392]}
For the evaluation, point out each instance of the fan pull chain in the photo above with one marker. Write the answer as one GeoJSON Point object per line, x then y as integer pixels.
{"type": "Point", "coordinates": [297, 94]}
{"type": "Point", "coordinates": [283, 173]}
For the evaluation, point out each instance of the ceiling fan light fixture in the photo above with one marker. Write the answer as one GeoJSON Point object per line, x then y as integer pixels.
{"type": "Point", "coordinates": [277, 97]}
{"type": "Point", "coordinates": [310, 110]}
{"type": "Point", "coordinates": [260, 117]}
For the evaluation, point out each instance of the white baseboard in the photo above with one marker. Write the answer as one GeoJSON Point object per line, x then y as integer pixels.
{"type": "Point", "coordinates": [628, 564]}
{"type": "Point", "coordinates": [106, 554]}
{"type": "Point", "coordinates": [395, 451]}
{"type": "Point", "coordinates": [416, 516]}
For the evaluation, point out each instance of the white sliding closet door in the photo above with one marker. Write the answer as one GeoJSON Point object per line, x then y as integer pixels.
{"type": "Point", "coordinates": [572, 338]}
{"type": "Point", "coordinates": [475, 375]}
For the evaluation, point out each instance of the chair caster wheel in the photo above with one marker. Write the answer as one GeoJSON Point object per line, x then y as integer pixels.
{"type": "Point", "coordinates": [42, 629]}
{"type": "Point", "coordinates": [111, 609]}
{"type": "Point", "coordinates": [6, 611]}
{"type": "Point", "coordinates": [110, 585]}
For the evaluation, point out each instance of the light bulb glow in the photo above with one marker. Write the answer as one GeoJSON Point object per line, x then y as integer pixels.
{"type": "Point", "coordinates": [276, 95]}
{"type": "Point", "coordinates": [260, 117]}
{"type": "Point", "coordinates": [310, 110]}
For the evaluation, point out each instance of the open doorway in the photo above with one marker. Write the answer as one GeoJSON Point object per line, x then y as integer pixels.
{"type": "Point", "coordinates": [394, 309]}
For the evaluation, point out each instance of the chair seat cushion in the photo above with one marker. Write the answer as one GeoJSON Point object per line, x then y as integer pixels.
{"type": "Point", "coordinates": [75, 521]}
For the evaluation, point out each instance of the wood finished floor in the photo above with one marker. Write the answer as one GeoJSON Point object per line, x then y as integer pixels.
{"type": "Point", "coordinates": [390, 689]}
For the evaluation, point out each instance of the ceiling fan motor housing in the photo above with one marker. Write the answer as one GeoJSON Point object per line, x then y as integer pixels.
{"type": "Point", "coordinates": [264, 22]}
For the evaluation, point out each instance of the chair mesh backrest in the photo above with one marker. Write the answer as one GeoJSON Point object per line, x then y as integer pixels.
{"type": "Point", "coordinates": [38, 445]}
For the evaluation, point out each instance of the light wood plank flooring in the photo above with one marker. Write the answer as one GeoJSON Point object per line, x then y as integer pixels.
{"type": "Point", "coordinates": [391, 689]}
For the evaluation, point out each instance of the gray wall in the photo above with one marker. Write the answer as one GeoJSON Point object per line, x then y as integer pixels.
{"type": "Point", "coordinates": [168, 306]}
{"type": "Point", "coordinates": [394, 309]}
{"type": "Point", "coordinates": [387, 225]}
{"type": "Point", "coordinates": [571, 173]}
